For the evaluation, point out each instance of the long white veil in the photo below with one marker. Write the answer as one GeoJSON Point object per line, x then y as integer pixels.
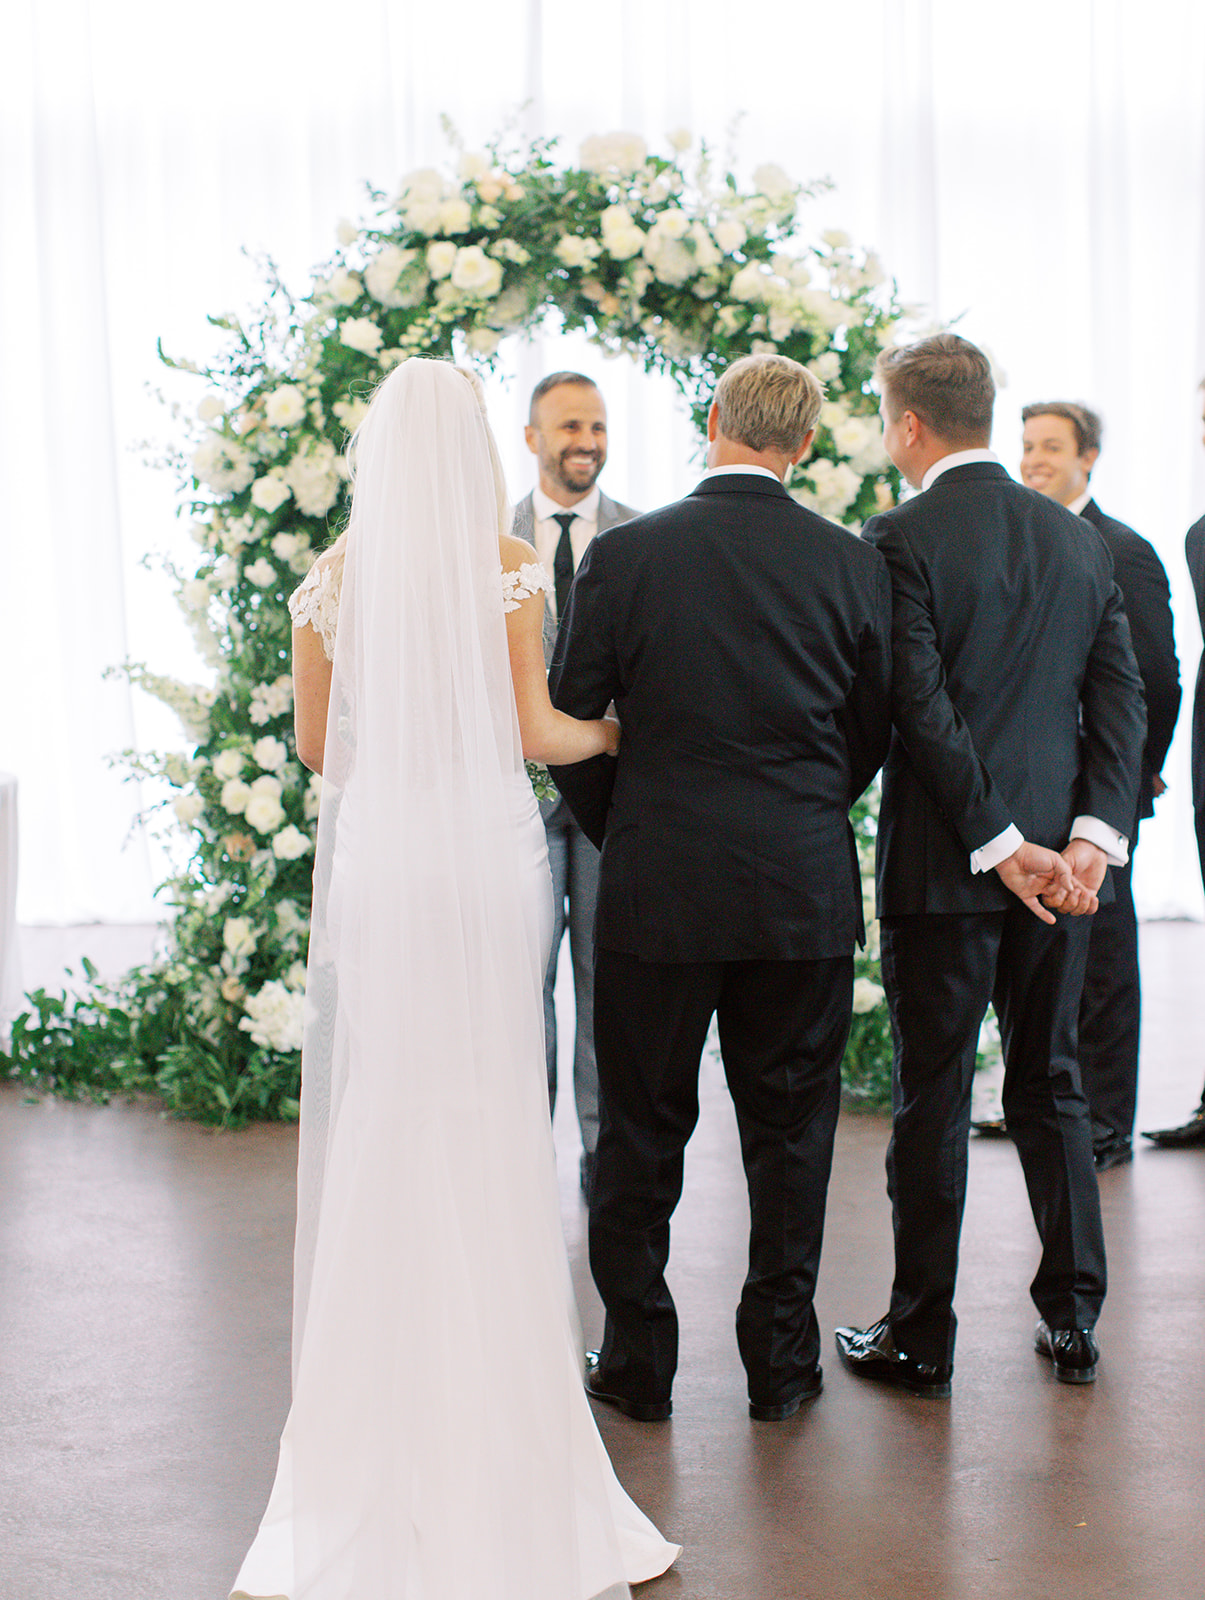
{"type": "Point", "coordinates": [439, 1446]}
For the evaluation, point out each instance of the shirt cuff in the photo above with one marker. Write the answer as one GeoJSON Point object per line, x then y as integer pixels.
{"type": "Point", "coordinates": [996, 850]}
{"type": "Point", "coordinates": [1115, 845]}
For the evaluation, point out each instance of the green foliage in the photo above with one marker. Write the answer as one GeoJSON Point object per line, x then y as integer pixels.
{"type": "Point", "coordinates": [666, 258]}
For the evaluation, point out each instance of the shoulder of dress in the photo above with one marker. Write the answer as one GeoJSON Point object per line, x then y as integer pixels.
{"type": "Point", "coordinates": [521, 583]}
{"type": "Point", "coordinates": [316, 601]}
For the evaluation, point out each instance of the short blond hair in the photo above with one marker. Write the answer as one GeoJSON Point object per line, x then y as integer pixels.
{"type": "Point", "coordinates": [768, 402]}
{"type": "Point", "coordinates": [946, 381]}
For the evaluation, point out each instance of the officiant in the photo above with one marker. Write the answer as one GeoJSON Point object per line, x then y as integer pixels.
{"type": "Point", "coordinates": [567, 434]}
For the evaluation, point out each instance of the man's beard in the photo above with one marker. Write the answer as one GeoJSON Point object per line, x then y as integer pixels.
{"type": "Point", "coordinates": [578, 476]}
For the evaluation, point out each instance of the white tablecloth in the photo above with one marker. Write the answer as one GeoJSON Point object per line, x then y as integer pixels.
{"type": "Point", "coordinates": [10, 966]}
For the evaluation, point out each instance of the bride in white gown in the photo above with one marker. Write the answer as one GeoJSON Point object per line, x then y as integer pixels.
{"type": "Point", "coordinates": [440, 1445]}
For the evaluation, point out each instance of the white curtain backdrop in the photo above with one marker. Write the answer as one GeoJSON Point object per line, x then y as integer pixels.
{"type": "Point", "coordinates": [1037, 169]}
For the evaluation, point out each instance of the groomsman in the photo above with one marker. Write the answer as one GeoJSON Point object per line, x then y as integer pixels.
{"type": "Point", "coordinates": [1192, 1132]}
{"type": "Point", "coordinates": [567, 434]}
{"type": "Point", "coordinates": [745, 643]}
{"type": "Point", "coordinates": [1061, 445]}
{"type": "Point", "coordinates": [1019, 729]}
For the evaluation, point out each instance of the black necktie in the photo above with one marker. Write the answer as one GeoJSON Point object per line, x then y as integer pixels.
{"type": "Point", "coordinates": [562, 562]}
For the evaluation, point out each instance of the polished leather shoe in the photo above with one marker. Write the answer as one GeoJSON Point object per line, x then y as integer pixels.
{"type": "Point", "coordinates": [811, 1387]}
{"type": "Point", "coordinates": [872, 1353]}
{"type": "Point", "coordinates": [640, 1410]}
{"type": "Point", "coordinates": [1189, 1133]}
{"type": "Point", "coordinates": [1112, 1151]}
{"type": "Point", "coordinates": [1074, 1352]}
{"type": "Point", "coordinates": [991, 1128]}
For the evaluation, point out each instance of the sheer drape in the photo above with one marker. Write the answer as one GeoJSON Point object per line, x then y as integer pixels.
{"type": "Point", "coordinates": [1037, 167]}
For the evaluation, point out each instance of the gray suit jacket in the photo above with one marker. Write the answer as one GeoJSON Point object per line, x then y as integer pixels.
{"type": "Point", "coordinates": [610, 514]}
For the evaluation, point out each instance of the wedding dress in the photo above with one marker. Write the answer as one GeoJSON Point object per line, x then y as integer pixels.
{"type": "Point", "coordinates": [440, 1445]}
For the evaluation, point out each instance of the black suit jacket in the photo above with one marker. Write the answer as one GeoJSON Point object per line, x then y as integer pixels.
{"type": "Point", "coordinates": [1138, 573]}
{"type": "Point", "coordinates": [1194, 550]}
{"type": "Point", "coordinates": [746, 645]}
{"type": "Point", "coordinates": [1016, 695]}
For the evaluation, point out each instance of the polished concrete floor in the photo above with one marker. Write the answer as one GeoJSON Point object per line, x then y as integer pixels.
{"type": "Point", "coordinates": [144, 1309]}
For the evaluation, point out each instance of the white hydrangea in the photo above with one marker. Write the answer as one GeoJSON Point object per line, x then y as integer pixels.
{"type": "Point", "coordinates": [312, 799]}
{"type": "Point", "coordinates": [313, 476]}
{"type": "Point", "coordinates": [730, 235]}
{"type": "Point", "coordinates": [270, 493]}
{"type": "Point", "coordinates": [771, 181]}
{"type": "Point", "coordinates": [382, 273]}
{"type": "Point", "coordinates": [286, 545]}
{"type": "Point", "coordinates": [672, 262]}
{"type": "Point", "coordinates": [285, 407]}
{"type": "Point", "coordinates": [826, 367]}
{"type": "Point", "coordinates": [345, 287]}
{"type": "Point", "coordinates": [679, 139]}
{"type": "Point", "coordinates": [290, 843]}
{"type": "Point", "coordinates": [261, 573]}
{"type": "Point", "coordinates": [621, 237]}
{"type": "Point", "coordinates": [483, 341]}
{"type": "Point", "coordinates": [455, 215]}
{"type": "Point", "coordinates": [867, 995]}
{"type": "Point", "coordinates": [275, 1017]}
{"type": "Point", "coordinates": [296, 975]}
{"type": "Point", "coordinates": [188, 807]}
{"type": "Point", "coordinates": [836, 239]}
{"type": "Point", "coordinates": [350, 413]}
{"type": "Point", "coordinates": [834, 486]}
{"type": "Point", "coordinates": [361, 333]}
{"type": "Point", "coordinates": [223, 465]}
{"type": "Point", "coordinates": [270, 700]}
{"type": "Point", "coordinates": [441, 257]}
{"type": "Point", "coordinates": [574, 251]}
{"type": "Point", "coordinates": [752, 282]}
{"type": "Point", "coordinates": [211, 408]}
{"type": "Point", "coordinates": [346, 232]}
{"type": "Point", "coordinates": [264, 813]}
{"type": "Point", "coordinates": [196, 594]}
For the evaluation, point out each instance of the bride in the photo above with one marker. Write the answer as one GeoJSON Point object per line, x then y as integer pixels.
{"type": "Point", "coordinates": [440, 1445]}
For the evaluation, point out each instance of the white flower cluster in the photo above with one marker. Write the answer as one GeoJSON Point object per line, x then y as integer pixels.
{"type": "Point", "coordinates": [275, 1017]}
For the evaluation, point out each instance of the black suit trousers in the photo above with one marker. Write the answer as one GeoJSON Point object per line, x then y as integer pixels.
{"type": "Point", "coordinates": [783, 1027]}
{"type": "Point", "coordinates": [940, 973]}
{"type": "Point", "coordinates": [1110, 1013]}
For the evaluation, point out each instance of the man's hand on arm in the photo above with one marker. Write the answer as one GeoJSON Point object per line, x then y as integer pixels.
{"type": "Point", "coordinates": [1088, 863]}
{"type": "Point", "coordinates": [1035, 874]}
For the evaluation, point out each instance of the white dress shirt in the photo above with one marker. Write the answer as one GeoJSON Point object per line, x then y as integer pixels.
{"type": "Point", "coordinates": [548, 533]}
{"type": "Point", "coordinates": [990, 854]}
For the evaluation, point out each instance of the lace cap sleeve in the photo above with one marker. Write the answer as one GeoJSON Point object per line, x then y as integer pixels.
{"type": "Point", "coordinates": [529, 580]}
{"type": "Point", "coordinates": [316, 601]}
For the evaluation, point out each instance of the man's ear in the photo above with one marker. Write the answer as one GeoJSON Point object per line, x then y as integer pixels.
{"type": "Point", "coordinates": [713, 422]}
{"type": "Point", "coordinates": [914, 428]}
{"type": "Point", "coordinates": [803, 448]}
{"type": "Point", "coordinates": [530, 434]}
{"type": "Point", "coordinates": [1089, 458]}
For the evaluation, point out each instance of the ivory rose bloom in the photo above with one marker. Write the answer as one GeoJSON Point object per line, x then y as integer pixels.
{"type": "Point", "coordinates": [285, 407]}
{"type": "Point", "coordinates": [270, 753]}
{"type": "Point", "coordinates": [290, 843]}
{"type": "Point", "coordinates": [476, 273]}
{"type": "Point", "coordinates": [441, 257]}
{"type": "Point", "coordinates": [612, 152]}
{"type": "Point", "coordinates": [270, 493]}
{"type": "Point", "coordinates": [361, 333]}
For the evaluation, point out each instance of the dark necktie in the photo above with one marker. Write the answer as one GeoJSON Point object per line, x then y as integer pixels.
{"type": "Point", "coordinates": [562, 562]}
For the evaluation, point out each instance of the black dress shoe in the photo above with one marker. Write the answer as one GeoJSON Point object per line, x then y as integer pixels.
{"type": "Point", "coordinates": [1074, 1352]}
{"type": "Point", "coordinates": [991, 1128]}
{"type": "Point", "coordinates": [872, 1354]}
{"type": "Point", "coordinates": [1189, 1133]}
{"type": "Point", "coordinates": [641, 1410]}
{"type": "Point", "coordinates": [810, 1388]}
{"type": "Point", "coordinates": [1112, 1151]}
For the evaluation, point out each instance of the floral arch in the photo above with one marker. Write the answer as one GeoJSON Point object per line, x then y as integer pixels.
{"type": "Point", "coordinates": [665, 257]}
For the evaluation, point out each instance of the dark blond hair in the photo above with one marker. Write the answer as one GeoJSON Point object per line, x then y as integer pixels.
{"type": "Point", "coordinates": [768, 402]}
{"type": "Point", "coordinates": [946, 381]}
{"type": "Point", "coordinates": [1089, 430]}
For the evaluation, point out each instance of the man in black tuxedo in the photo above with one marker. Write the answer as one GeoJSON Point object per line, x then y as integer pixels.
{"type": "Point", "coordinates": [745, 643]}
{"type": "Point", "coordinates": [1192, 1132]}
{"type": "Point", "coordinates": [1060, 446]}
{"type": "Point", "coordinates": [1019, 728]}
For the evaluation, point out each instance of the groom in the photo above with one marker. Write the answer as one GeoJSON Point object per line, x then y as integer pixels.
{"type": "Point", "coordinates": [744, 642]}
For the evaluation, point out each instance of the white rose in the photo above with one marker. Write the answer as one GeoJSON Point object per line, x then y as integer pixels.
{"type": "Point", "coordinates": [345, 287]}
{"type": "Point", "coordinates": [475, 273]}
{"type": "Point", "coordinates": [679, 139]}
{"type": "Point", "coordinates": [270, 493]}
{"type": "Point", "coordinates": [573, 251]}
{"type": "Point", "coordinates": [706, 254]}
{"type": "Point", "coordinates": [235, 795]}
{"type": "Point", "coordinates": [225, 574]}
{"type": "Point", "coordinates": [285, 407]}
{"type": "Point", "coordinates": [827, 367]}
{"type": "Point", "coordinates": [290, 843]}
{"type": "Point", "coordinates": [264, 814]}
{"type": "Point", "coordinates": [275, 1017]}
{"type": "Point", "coordinates": [188, 807]}
{"type": "Point", "coordinates": [361, 333]}
{"type": "Point", "coordinates": [295, 976]}
{"type": "Point", "coordinates": [228, 764]}
{"type": "Point", "coordinates": [267, 785]}
{"type": "Point", "coordinates": [730, 318]}
{"type": "Point", "coordinates": [382, 273]}
{"type": "Point", "coordinates": [752, 282]}
{"type": "Point", "coordinates": [833, 413]}
{"type": "Point", "coordinates": [620, 235]}
{"type": "Point", "coordinates": [351, 413]}
{"type": "Point", "coordinates": [730, 235]}
{"type": "Point", "coordinates": [867, 995]}
{"type": "Point", "coordinates": [211, 408]}
{"type": "Point", "coordinates": [836, 239]}
{"type": "Point", "coordinates": [673, 223]}
{"type": "Point", "coordinates": [671, 261]}
{"type": "Point", "coordinates": [238, 937]}
{"type": "Point", "coordinates": [223, 465]}
{"type": "Point", "coordinates": [483, 341]}
{"type": "Point", "coordinates": [441, 257]}
{"type": "Point", "coordinates": [269, 753]}
{"type": "Point", "coordinates": [612, 152]}
{"type": "Point", "coordinates": [346, 232]}
{"type": "Point", "coordinates": [313, 476]}
{"type": "Point", "coordinates": [196, 594]}
{"type": "Point", "coordinates": [261, 573]}
{"type": "Point", "coordinates": [472, 164]}
{"type": "Point", "coordinates": [424, 183]}
{"type": "Point", "coordinates": [313, 796]}
{"type": "Point", "coordinates": [455, 216]}
{"type": "Point", "coordinates": [285, 546]}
